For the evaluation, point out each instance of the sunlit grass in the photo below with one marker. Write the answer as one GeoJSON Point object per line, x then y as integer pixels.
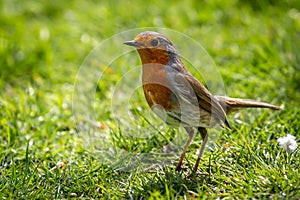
{"type": "Point", "coordinates": [256, 46]}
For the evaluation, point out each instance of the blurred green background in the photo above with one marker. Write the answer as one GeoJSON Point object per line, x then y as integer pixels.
{"type": "Point", "coordinates": [255, 44]}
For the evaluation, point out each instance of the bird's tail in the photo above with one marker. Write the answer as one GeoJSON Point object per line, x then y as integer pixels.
{"type": "Point", "coordinates": [230, 104]}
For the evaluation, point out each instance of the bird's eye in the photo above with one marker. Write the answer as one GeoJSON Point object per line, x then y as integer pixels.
{"type": "Point", "coordinates": [154, 42]}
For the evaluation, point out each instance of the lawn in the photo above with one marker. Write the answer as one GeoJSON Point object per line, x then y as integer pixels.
{"type": "Point", "coordinates": [74, 122]}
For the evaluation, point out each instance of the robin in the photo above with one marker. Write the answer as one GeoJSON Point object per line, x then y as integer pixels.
{"type": "Point", "coordinates": [177, 96]}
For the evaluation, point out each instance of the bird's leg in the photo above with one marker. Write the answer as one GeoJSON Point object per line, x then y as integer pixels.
{"type": "Point", "coordinates": [190, 132]}
{"type": "Point", "coordinates": [204, 136]}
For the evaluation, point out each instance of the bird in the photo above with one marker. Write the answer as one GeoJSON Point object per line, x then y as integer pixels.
{"type": "Point", "coordinates": [177, 97]}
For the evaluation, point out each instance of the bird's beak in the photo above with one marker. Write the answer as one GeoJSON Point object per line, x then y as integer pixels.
{"type": "Point", "coordinates": [133, 43]}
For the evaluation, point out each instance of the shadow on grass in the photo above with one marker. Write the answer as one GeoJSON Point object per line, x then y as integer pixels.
{"type": "Point", "coordinates": [168, 182]}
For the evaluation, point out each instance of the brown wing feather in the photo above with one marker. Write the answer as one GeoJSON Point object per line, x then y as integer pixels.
{"type": "Point", "coordinates": [207, 101]}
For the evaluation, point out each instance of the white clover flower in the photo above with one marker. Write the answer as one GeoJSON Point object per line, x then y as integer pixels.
{"type": "Point", "coordinates": [60, 164]}
{"type": "Point", "coordinates": [288, 143]}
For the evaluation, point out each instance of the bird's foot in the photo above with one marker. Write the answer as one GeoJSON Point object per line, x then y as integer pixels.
{"type": "Point", "coordinates": [196, 173]}
{"type": "Point", "coordinates": [180, 168]}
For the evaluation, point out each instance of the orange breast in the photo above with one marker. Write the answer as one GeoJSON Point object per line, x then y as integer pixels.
{"type": "Point", "coordinates": [149, 55]}
{"type": "Point", "coordinates": [155, 83]}
{"type": "Point", "coordinates": [156, 86]}
{"type": "Point", "coordinates": [158, 94]}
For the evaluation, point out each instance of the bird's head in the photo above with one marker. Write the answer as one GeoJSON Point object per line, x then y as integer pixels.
{"type": "Point", "coordinates": [153, 47]}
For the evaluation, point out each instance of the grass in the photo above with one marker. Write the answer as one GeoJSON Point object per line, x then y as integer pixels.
{"type": "Point", "coordinates": [255, 45]}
